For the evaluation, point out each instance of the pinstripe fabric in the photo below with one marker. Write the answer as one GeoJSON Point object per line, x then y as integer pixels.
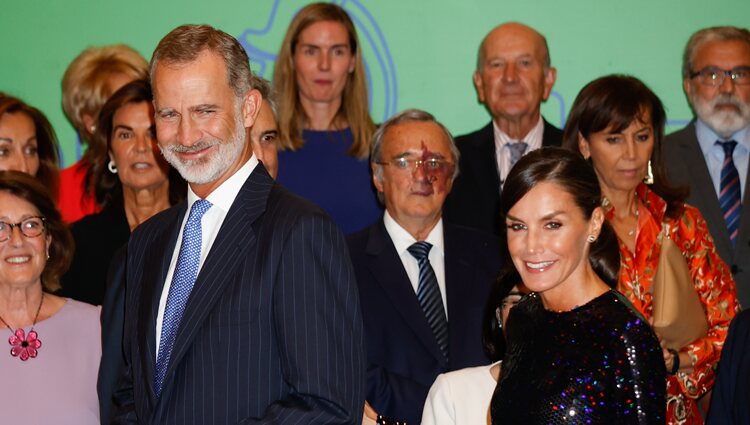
{"type": "Point", "coordinates": [271, 332]}
{"type": "Point", "coordinates": [428, 295]}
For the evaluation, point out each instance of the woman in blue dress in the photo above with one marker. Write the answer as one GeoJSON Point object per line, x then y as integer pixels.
{"type": "Point", "coordinates": [324, 121]}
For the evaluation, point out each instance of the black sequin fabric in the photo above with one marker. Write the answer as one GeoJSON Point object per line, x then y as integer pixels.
{"type": "Point", "coordinates": [599, 363]}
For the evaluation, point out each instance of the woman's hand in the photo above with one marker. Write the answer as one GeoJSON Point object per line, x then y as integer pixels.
{"type": "Point", "coordinates": [370, 415]}
{"type": "Point", "coordinates": [686, 364]}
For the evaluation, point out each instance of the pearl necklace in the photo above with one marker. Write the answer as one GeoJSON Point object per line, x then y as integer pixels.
{"type": "Point", "coordinates": [23, 346]}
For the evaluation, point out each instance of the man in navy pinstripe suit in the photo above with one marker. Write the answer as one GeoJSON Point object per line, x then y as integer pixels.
{"type": "Point", "coordinates": [271, 329]}
{"type": "Point", "coordinates": [414, 333]}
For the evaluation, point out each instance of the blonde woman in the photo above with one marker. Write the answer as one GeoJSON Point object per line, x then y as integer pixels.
{"type": "Point", "coordinates": [324, 122]}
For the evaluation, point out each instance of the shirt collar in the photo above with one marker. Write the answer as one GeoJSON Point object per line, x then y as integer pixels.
{"type": "Point", "coordinates": [402, 239]}
{"type": "Point", "coordinates": [707, 138]}
{"type": "Point", "coordinates": [223, 196]}
{"type": "Point", "coordinates": [533, 138]}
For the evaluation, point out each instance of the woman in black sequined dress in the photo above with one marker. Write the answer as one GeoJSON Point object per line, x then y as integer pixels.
{"type": "Point", "coordinates": [578, 352]}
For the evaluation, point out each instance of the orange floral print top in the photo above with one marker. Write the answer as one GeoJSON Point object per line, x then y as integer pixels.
{"type": "Point", "coordinates": [712, 279]}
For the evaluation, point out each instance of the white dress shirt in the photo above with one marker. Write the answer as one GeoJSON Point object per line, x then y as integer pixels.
{"type": "Point", "coordinates": [502, 153]}
{"type": "Point", "coordinates": [714, 154]}
{"type": "Point", "coordinates": [221, 200]}
{"type": "Point", "coordinates": [402, 240]}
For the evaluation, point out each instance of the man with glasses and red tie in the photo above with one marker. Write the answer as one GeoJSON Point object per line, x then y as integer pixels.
{"type": "Point", "coordinates": [423, 282]}
{"type": "Point", "coordinates": [710, 155]}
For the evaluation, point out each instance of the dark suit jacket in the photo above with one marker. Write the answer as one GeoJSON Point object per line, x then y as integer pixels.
{"type": "Point", "coordinates": [271, 332]}
{"type": "Point", "coordinates": [403, 357]}
{"type": "Point", "coordinates": [474, 200]}
{"type": "Point", "coordinates": [687, 166]}
{"type": "Point", "coordinates": [730, 403]}
{"type": "Point", "coordinates": [113, 316]}
{"type": "Point", "coordinates": [97, 238]}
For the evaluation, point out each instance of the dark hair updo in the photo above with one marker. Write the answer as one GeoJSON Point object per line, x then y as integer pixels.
{"type": "Point", "coordinates": [574, 175]}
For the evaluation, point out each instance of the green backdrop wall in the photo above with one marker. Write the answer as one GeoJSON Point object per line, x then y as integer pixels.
{"type": "Point", "coordinates": [419, 53]}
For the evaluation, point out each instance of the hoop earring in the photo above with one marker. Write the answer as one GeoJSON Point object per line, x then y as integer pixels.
{"type": "Point", "coordinates": [112, 167]}
{"type": "Point", "coordinates": [649, 175]}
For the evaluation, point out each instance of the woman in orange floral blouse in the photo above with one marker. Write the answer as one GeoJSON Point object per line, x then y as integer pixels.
{"type": "Point", "coordinates": [618, 123]}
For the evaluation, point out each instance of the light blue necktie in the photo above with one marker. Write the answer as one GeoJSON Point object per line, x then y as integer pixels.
{"type": "Point", "coordinates": [729, 191]}
{"type": "Point", "coordinates": [516, 152]}
{"type": "Point", "coordinates": [428, 294]}
{"type": "Point", "coordinates": [185, 273]}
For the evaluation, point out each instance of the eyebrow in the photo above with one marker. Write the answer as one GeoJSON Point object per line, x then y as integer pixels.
{"type": "Point", "coordinates": [318, 46]}
{"type": "Point", "coordinates": [10, 140]}
{"type": "Point", "coordinates": [204, 106]}
{"type": "Point", "coordinates": [122, 126]}
{"type": "Point", "coordinates": [551, 215]}
{"type": "Point", "coordinates": [267, 132]}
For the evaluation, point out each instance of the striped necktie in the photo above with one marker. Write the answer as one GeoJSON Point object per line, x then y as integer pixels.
{"type": "Point", "coordinates": [185, 273]}
{"type": "Point", "coordinates": [516, 152]}
{"type": "Point", "coordinates": [428, 294]}
{"type": "Point", "coordinates": [729, 191]}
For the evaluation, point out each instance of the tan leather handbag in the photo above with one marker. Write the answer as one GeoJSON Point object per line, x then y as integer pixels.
{"type": "Point", "coordinates": [679, 316]}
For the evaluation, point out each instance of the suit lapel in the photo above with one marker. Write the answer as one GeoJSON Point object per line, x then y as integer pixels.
{"type": "Point", "coordinates": [220, 267]}
{"type": "Point", "coordinates": [155, 267]}
{"type": "Point", "coordinates": [385, 265]}
{"type": "Point", "coordinates": [489, 171]}
{"type": "Point", "coordinates": [458, 269]}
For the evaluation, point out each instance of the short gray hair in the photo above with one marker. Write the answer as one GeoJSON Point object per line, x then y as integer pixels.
{"type": "Point", "coordinates": [408, 115]}
{"type": "Point", "coordinates": [184, 43]}
{"type": "Point", "coordinates": [701, 37]}
{"type": "Point", "coordinates": [269, 95]}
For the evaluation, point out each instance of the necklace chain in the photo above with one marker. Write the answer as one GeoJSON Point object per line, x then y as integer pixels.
{"type": "Point", "coordinates": [632, 231]}
{"type": "Point", "coordinates": [36, 316]}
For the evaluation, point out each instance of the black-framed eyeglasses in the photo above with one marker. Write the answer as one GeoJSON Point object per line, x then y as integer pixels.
{"type": "Point", "coordinates": [713, 76]}
{"type": "Point", "coordinates": [430, 165]}
{"type": "Point", "coordinates": [30, 227]}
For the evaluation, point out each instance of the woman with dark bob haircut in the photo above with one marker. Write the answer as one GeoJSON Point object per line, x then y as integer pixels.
{"type": "Point", "coordinates": [617, 124]}
{"type": "Point", "coordinates": [28, 142]}
{"type": "Point", "coordinates": [133, 184]}
{"type": "Point", "coordinates": [55, 344]}
{"type": "Point", "coordinates": [577, 351]}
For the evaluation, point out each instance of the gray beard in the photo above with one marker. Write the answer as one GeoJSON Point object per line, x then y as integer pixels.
{"type": "Point", "coordinates": [210, 168]}
{"type": "Point", "coordinates": [724, 122]}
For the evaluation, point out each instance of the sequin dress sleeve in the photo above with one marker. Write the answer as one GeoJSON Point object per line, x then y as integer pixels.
{"type": "Point", "coordinates": [598, 363]}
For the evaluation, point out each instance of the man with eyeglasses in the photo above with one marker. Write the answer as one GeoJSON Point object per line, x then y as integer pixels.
{"type": "Point", "coordinates": [710, 155]}
{"type": "Point", "coordinates": [423, 282]}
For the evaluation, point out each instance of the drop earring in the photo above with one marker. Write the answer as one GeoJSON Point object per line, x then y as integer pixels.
{"type": "Point", "coordinates": [649, 175]}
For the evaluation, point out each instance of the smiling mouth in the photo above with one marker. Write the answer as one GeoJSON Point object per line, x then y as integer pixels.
{"type": "Point", "coordinates": [18, 259]}
{"type": "Point", "coordinates": [141, 165]}
{"type": "Point", "coordinates": [539, 266]}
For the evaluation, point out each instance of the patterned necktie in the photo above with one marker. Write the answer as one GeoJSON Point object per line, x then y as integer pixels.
{"type": "Point", "coordinates": [516, 152]}
{"type": "Point", "coordinates": [185, 273]}
{"type": "Point", "coordinates": [428, 294]}
{"type": "Point", "coordinates": [729, 191]}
